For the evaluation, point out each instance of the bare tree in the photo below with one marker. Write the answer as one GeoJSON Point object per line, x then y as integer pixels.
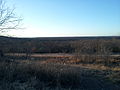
{"type": "Point", "coordinates": [8, 19]}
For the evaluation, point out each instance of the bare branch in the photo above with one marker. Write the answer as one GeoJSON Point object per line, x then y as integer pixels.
{"type": "Point", "coordinates": [8, 19]}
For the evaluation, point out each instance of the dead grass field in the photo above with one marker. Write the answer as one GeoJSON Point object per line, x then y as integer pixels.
{"type": "Point", "coordinates": [56, 72]}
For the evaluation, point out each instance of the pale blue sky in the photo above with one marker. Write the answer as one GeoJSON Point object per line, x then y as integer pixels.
{"type": "Point", "coordinates": [47, 18]}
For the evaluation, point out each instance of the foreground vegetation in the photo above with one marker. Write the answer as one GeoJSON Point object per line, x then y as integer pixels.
{"type": "Point", "coordinates": [51, 75]}
{"type": "Point", "coordinates": [30, 74]}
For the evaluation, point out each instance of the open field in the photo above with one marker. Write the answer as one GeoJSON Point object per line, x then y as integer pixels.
{"type": "Point", "coordinates": [51, 55]}
{"type": "Point", "coordinates": [54, 72]}
{"type": "Point", "coordinates": [35, 75]}
{"type": "Point", "coordinates": [60, 63]}
{"type": "Point", "coordinates": [42, 55]}
{"type": "Point", "coordinates": [61, 45]}
{"type": "Point", "coordinates": [114, 60]}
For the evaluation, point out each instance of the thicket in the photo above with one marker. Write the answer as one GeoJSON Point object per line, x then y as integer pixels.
{"type": "Point", "coordinates": [85, 46]}
{"type": "Point", "coordinates": [97, 51]}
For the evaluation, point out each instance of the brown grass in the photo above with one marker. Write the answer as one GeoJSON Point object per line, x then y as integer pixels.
{"type": "Point", "coordinates": [44, 75]}
{"type": "Point", "coordinates": [54, 73]}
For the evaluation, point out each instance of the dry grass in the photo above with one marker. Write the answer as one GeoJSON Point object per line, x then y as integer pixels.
{"type": "Point", "coordinates": [54, 73]}
{"type": "Point", "coordinates": [26, 73]}
{"type": "Point", "coordinates": [109, 71]}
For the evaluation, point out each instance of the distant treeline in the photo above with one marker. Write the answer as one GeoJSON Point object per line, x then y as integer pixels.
{"type": "Point", "coordinates": [83, 45]}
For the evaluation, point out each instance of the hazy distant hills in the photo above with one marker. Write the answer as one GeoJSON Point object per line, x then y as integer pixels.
{"type": "Point", "coordinates": [59, 38]}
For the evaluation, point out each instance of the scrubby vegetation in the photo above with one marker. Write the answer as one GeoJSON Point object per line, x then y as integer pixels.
{"type": "Point", "coordinates": [42, 75]}
{"type": "Point", "coordinates": [85, 45]}
{"type": "Point", "coordinates": [25, 66]}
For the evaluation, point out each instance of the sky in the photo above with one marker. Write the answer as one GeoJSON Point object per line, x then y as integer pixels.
{"type": "Point", "coordinates": [58, 18]}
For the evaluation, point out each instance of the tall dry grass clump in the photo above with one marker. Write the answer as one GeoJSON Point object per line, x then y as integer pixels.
{"type": "Point", "coordinates": [38, 76]}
